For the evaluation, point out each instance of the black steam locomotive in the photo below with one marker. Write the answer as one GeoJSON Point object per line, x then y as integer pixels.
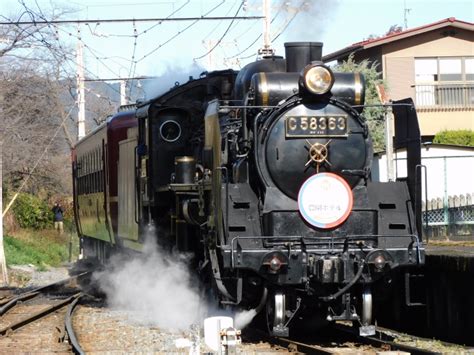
{"type": "Point", "coordinates": [264, 175]}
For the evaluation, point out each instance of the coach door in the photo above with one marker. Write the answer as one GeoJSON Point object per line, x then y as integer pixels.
{"type": "Point", "coordinates": [127, 226]}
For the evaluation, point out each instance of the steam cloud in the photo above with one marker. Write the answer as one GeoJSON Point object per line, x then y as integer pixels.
{"type": "Point", "coordinates": [159, 290]}
{"type": "Point", "coordinates": [156, 287]}
{"type": "Point", "coordinates": [172, 74]}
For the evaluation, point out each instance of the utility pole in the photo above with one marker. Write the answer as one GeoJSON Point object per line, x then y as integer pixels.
{"type": "Point", "coordinates": [3, 264]}
{"type": "Point", "coordinates": [210, 60]}
{"type": "Point", "coordinates": [384, 98]}
{"type": "Point", "coordinates": [123, 96]}
{"type": "Point", "coordinates": [267, 46]}
{"type": "Point", "coordinates": [81, 114]}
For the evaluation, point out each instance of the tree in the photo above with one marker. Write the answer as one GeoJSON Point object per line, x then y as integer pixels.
{"type": "Point", "coordinates": [34, 105]}
{"type": "Point", "coordinates": [393, 30]}
{"type": "Point", "coordinates": [373, 115]}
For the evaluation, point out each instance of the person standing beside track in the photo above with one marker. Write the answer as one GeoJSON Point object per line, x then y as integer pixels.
{"type": "Point", "coordinates": [58, 217]}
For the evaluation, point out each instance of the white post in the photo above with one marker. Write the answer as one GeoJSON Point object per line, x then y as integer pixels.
{"type": "Point", "coordinates": [266, 24]}
{"type": "Point", "coordinates": [384, 98]}
{"type": "Point", "coordinates": [389, 144]}
{"type": "Point", "coordinates": [267, 46]}
{"type": "Point", "coordinates": [210, 60]}
{"type": "Point", "coordinates": [123, 96]}
{"type": "Point", "coordinates": [81, 102]}
{"type": "Point", "coordinates": [3, 264]}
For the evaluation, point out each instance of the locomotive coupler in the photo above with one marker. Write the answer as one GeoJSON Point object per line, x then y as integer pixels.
{"type": "Point", "coordinates": [348, 313]}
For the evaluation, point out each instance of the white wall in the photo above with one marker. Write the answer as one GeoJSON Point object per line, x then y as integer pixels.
{"type": "Point", "coordinates": [450, 169]}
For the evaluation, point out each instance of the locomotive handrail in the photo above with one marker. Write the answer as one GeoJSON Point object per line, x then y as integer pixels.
{"type": "Point", "coordinates": [383, 105]}
{"type": "Point", "coordinates": [244, 106]}
{"type": "Point", "coordinates": [224, 168]}
{"type": "Point", "coordinates": [413, 237]}
{"type": "Point", "coordinates": [423, 167]}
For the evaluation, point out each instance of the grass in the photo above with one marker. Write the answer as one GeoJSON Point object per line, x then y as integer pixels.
{"type": "Point", "coordinates": [40, 248]}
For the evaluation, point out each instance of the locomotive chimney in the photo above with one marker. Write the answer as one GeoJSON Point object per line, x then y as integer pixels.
{"type": "Point", "coordinates": [300, 54]}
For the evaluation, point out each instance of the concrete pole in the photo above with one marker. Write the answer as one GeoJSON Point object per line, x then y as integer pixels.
{"type": "Point", "coordinates": [389, 144]}
{"type": "Point", "coordinates": [267, 46]}
{"type": "Point", "coordinates": [266, 24]}
{"type": "Point", "coordinates": [123, 96]}
{"type": "Point", "coordinates": [3, 264]}
{"type": "Point", "coordinates": [81, 102]}
{"type": "Point", "coordinates": [384, 98]}
{"type": "Point", "coordinates": [210, 58]}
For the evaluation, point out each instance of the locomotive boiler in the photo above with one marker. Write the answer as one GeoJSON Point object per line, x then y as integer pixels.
{"type": "Point", "coordinates": [265, 177]}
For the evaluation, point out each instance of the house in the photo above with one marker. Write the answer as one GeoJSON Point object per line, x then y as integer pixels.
{"type": "Point", "coordinates": [433, 64]}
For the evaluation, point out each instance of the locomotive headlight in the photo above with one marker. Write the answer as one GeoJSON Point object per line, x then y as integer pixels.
{"type": "Point", "coordinates": [275, 262]}
{"type": "Point", "coordinates": [318, 79]}
{"type": "Point", "coordinates": [380, 262]}
{"type": "Point", "coordinates": [380, 259]}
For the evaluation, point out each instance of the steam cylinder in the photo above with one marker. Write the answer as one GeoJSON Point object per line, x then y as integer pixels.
{"type": "Point", "coordinates": [300, 54]}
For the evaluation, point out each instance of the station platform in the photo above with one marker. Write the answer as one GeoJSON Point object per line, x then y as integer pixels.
{"type": "Point", "coordinates": [450, 256]}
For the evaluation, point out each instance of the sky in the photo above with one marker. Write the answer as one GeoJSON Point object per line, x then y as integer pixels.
{"type": "Point", "coordinates": [178, 49]}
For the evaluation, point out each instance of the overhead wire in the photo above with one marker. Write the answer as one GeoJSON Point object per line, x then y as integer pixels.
{"type": "Point", "coordinates": [178, 33]}
{"type": "Point", "coordinates": [223, 35]}
{"type": "Point", "coordinates": [286, 26]}
{"type": "Point", "coordinates": [220, 22]}
{"type": "Point", "coordinates": [254, 41]}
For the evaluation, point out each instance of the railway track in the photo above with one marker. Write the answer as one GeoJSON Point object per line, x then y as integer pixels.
{"type": "Point", "coordinates": [42, 320]}
{"type": "Point", "coordinates": [341, 338]}
{"type": "Point", "coordinates": [34, 319]}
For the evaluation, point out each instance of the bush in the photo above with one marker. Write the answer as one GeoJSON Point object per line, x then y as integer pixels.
{"type": "Point", "coordinates": [463, 137]}
{"type": "Point", "coordinates": [31, 212]}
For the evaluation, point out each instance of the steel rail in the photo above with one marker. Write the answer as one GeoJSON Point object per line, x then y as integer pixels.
{"type": "Point", "coordinates": [292, 345]}
{"type": "Point", "coordinates": [76, 347]}
{"type": "Point", "coordinates": [38, 315]}
{"type": "Point", "coordinates": [37, 291]}
{"type": "Point", "coordinates": [381, 338]}
{"type": "Point", "coordinates": [300, 347]}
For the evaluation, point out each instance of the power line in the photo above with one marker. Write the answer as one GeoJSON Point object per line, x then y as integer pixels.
{"type": "Point", "coordinates": [127, 78]}
{"type": "Point", "coordinates": [177, 34]}
{"type": "Point", "coordinates": [222, 37]}
{"type": "Point", "coordinates": [162, 19]}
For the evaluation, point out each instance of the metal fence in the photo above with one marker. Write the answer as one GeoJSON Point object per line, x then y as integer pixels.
{"type": "Point", "coordinates": [456, 210]}
{"type": "Point", "coordinates": [445, 95]}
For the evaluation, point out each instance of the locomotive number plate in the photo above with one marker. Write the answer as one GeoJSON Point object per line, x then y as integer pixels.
{"type": "Point", "coordinates": [316, 126]}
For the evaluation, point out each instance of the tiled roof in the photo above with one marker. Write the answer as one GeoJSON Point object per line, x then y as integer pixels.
{"type": "Point", "coordinates": [451, 21]}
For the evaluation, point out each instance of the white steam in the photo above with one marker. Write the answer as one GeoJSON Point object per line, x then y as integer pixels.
{"type": "Point", "coordinates": [172, 75]}
{"type": "Point", "coordinates": [155, 287]}
{"type": "Point", "coordinates": [243, 318]}
{"type": "Point", "coordinates": [158, 289]}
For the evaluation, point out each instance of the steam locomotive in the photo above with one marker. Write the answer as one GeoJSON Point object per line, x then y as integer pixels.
{"type": "Point", "coordinates": [265, 176]}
